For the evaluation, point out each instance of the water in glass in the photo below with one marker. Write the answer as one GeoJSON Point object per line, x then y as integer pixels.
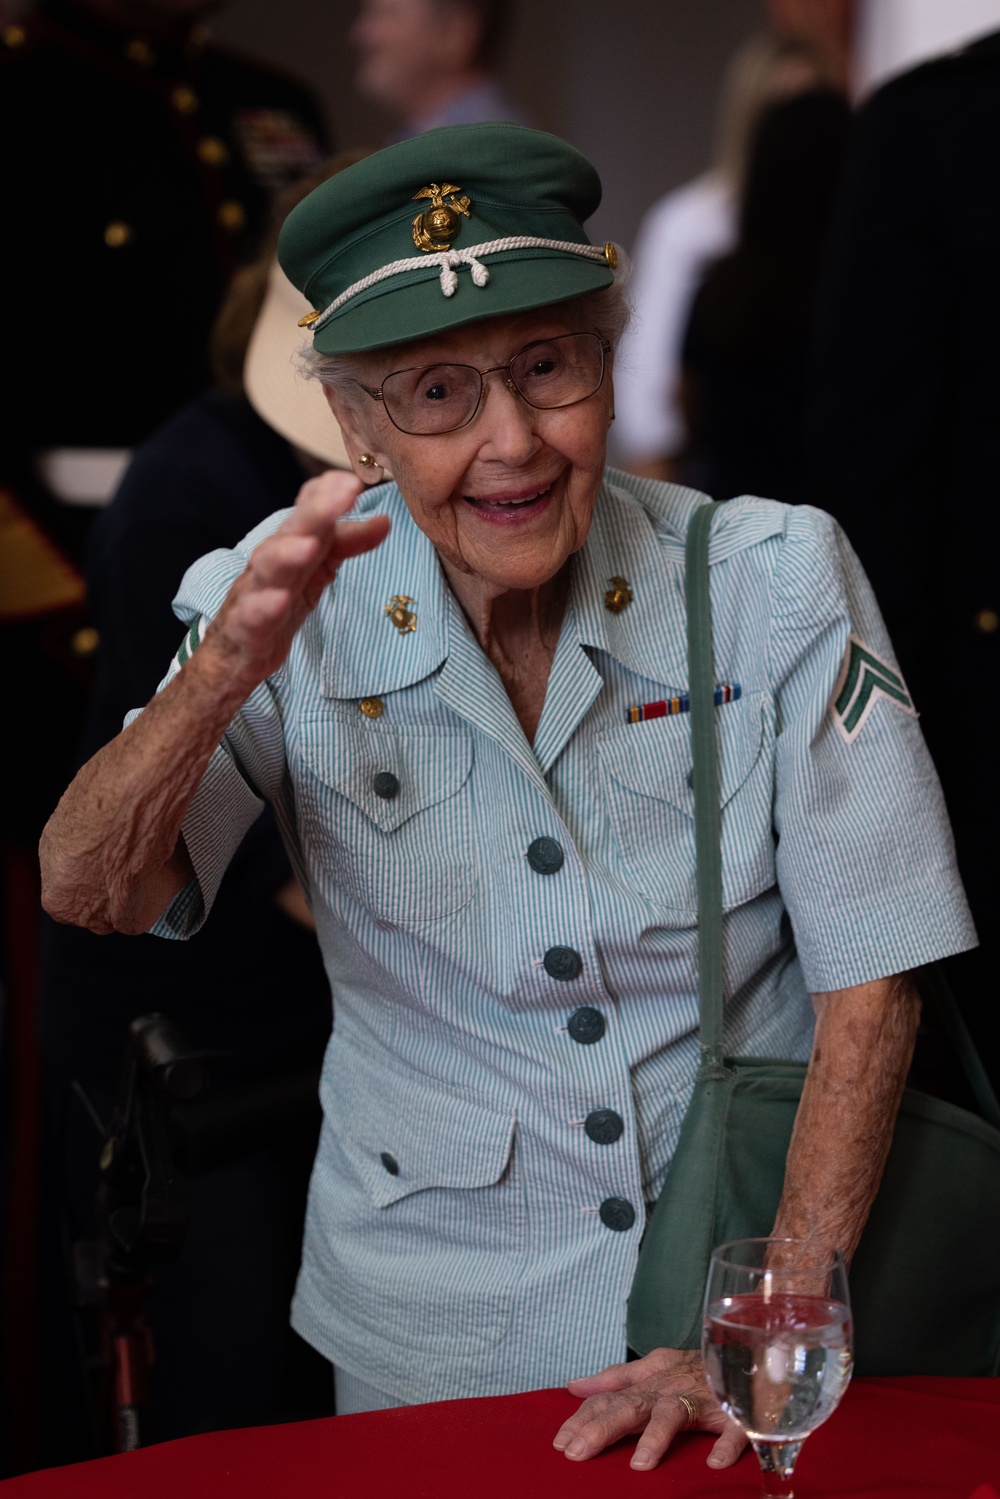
{"type": "Point", "coordinates": [777, 1344]}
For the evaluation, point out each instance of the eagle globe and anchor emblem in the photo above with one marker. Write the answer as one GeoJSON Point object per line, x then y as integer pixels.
{"type": "Point", "coordinates": [437, 226]}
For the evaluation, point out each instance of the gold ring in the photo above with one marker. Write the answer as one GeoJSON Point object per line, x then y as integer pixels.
{"type": "Point", "coordinates": [690, 1410]}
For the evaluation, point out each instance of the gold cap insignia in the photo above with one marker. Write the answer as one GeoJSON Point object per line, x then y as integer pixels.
{"type": "Point", "coordinates": [611, 255]}
{"type": "Point", "coordinates": [403, 618]}
{"type": "Point", "coordinates": [437, 226]}
{"type": "Point", "coordinates": [307, 320]}
{"type": "Point", "coordinates": [618, 596]}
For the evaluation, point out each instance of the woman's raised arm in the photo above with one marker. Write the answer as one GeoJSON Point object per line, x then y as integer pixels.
{"type": "Point", "coordinates": [112, 856]}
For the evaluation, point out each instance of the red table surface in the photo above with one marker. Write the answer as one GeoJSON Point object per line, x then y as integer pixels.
{"type": "Point", "coordinates": [938, 1438]}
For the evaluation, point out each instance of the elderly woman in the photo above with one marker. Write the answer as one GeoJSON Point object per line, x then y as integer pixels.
{"type": "Point", "coordinates": [465, 743]}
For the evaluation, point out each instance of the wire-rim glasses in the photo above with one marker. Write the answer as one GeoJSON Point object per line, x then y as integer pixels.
{"type": "Point", "coordinates": [548, 374]}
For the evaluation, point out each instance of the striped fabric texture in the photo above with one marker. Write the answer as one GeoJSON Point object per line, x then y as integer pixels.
{"type": "Point", "coordinates": [459, 1238]}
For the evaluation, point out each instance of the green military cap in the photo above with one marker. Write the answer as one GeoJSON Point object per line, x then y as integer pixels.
{"type": "Point", "coordinates": [462, 223]}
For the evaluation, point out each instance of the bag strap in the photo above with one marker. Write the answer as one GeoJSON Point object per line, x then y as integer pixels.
{"type": "Point", "coordinates": [708, 841]}
{"type": "Point", "coordinates": [707, 796]}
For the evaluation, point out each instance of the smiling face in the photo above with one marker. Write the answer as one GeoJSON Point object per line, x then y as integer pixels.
{"type": "Point", "coordinates": [508, 498]}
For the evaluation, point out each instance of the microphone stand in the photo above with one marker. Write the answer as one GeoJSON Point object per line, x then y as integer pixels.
{"type": "Point", "coordinates": [142, 1212]}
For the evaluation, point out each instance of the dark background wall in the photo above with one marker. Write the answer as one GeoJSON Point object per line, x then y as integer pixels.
{"type": "Point", "coordinates": [633, 84]}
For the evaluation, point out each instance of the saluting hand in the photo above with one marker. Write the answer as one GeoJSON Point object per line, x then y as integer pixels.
{"type": "Point", "coordinates": [642, 1396]}
{"type": "Point", "coordinates": [112, 855]}
{"type": "Point", "coordinates": [286, 576]}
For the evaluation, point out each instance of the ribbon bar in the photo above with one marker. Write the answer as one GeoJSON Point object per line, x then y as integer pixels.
{"type": "Point", "coordinates": [726, 692]}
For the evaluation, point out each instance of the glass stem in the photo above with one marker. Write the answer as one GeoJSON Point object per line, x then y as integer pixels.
{"type": "Point", "coordinates": [777, 1464]}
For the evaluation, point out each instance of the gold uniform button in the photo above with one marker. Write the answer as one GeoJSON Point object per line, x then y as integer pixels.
{"type": "Point", "coordinates": [987, 621]}
{"type": "Point", "coordinates": [184, 100]}
{"type": "Point", "coordinates": [15, 36]}
{"type": "Point", "coordinates": [618, 596]}
{"type": "Point", "coordinates": [85, 641]}
{"type": "Point", "coordinates": [118, 234]}
{"type": "Point", "coordinates": [372, 707]}
{"type": "Point", "coordinates": [233, 216]}
{"type": "Point", "coordinates": [212, 151]}
{"type": "Point", "coordinates": [140, 52]}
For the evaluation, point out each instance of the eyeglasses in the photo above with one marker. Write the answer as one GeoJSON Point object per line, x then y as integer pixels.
{"type": "Point", "coordinates": [548, 374]}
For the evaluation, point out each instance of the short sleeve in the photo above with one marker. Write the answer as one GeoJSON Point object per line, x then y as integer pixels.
{"type": "Point", "coordinates": [865, 858]}
{"type": "Point", "coordinates": [248, 767]}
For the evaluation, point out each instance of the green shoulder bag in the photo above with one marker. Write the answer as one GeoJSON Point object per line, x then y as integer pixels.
{"type": "Point", "coordinates": [925, 1282]}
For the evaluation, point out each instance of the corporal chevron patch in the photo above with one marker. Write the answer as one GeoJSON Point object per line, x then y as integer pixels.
{"type": "Point", "coordinates": [189, 644]}
{"type": "Point", "coordinates": [864, 678]}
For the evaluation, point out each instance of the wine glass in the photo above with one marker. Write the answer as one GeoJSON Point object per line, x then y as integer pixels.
{"type": "Point", "coordinates": [776, 1344]}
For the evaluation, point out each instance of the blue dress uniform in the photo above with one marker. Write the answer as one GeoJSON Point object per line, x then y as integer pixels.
{"type": "Point", "coordinates": [138, 176]}
{"type": "Point", "coordinates": [510, 928]}
{"type": "Point", "coordinates": [135, 178]}
{"type": "Point", "coordinates": [905, 432]}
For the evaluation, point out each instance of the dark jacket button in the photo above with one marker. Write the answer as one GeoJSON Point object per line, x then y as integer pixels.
{"type": "Point", "coordinates": [563, 963]}
{"type": "Point", "coordinates": [604, 1126]}
{"type": "Point", "coordinates": [386, 785]}
{"type": "Point", "coordinates": [545, 856]}
{"type": "Point", "coordinates": [618, 1214]}
{"type": "Point", "coordinates": [586, 1025]}
{"type": "Point", "coordinates": [390, 1163]}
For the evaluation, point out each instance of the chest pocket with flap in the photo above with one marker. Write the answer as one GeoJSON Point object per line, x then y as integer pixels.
{"type": "Point", "coordinates": [386, 815]}
{"type": "Point", "coordinates": [647, 775]}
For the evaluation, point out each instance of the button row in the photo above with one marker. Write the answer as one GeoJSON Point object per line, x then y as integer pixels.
{"type": "Point", "coordinates": [586, 1025]}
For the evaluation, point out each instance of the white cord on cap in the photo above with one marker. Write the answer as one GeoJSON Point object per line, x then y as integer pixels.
{"type": "Point", "coordinates": [451, 261]}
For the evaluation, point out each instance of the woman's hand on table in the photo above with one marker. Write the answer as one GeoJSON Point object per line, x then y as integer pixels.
{"type": "Point", "coordinates": [642, 1397]}
{"type": "Point", "coordinates": [286, 576]}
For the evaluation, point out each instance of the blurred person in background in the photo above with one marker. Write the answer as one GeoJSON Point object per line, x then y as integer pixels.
{"type": "Point", "coordinates": [679, 237]}
{"type": "Point", "coordinates": [905, 431]}
{"type": "Point", "coordinates": [140, 164]}
{"type": "Point", "coordinates": [252, 986]}
{"type": "Point", "coordinates": [745, 356]}
{"type": "Point", "coordinates": [434, 62]}
{"type": "Point", "coordinates": [893, 36]}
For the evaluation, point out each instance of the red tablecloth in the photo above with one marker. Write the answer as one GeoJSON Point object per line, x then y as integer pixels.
{"type": "Point", "coordinates": [934, 1438]}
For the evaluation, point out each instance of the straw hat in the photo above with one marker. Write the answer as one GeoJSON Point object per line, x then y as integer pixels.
{"type": "Point", "coordinates": [275, 386]}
